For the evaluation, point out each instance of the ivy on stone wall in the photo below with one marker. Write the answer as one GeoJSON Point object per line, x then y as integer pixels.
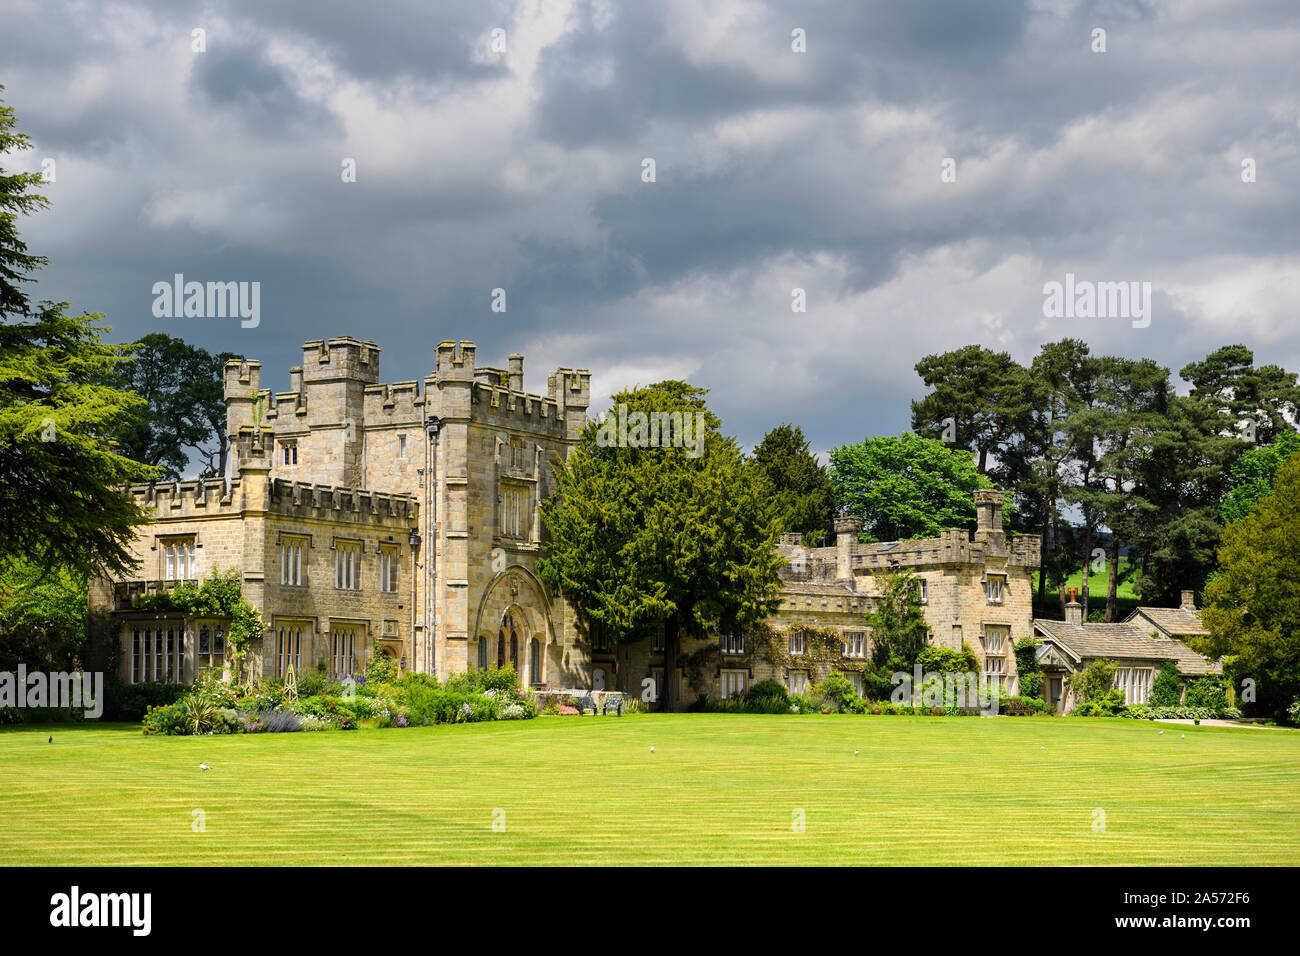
{"type": "Point", "coordinates": [821, 646]}
{"type": "Point", "coordinates": [219, 595]}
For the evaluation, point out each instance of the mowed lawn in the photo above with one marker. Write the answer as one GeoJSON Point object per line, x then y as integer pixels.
{"type": "Point", "coordinates": [718, 789]}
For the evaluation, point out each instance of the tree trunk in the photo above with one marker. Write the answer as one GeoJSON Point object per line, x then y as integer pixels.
{"type": "Point", "coordinates": [672, 647]}
{"type": "Point", "coordinates": [1042, 564]}
{"type": "Point", "coordinates": [984, 459]}
{"type": "Point", "coordinates": [1087, 563]}
{"type": "Point", "coordinates": [1112, 586]}
{"type": "Point", "coordinates": [621, 667]}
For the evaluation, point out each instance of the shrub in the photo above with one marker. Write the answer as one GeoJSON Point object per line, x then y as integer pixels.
{"type": "Point", "coordinates": [280, 721]}
{"type": "Point", "coordinates": [1207, 692]}
{"type": "Point", "coordinates": [1145, 712]}
{"type": "Point", "coordinates": [311, 683]}
{"type": "Point", "coordinates": [1094, 681]}
{"type": "Point", "coordinates": [944, 660]}
{"type": "Point", "coordinates": [832, 692]}
{"type": "Point", "coordinates": [767, 697]}
{"type": "Point", "coordinates": [1166, 689]}
{"type": "Point", "coordinates": [200, 712]}
{"type": "Point", "coordinates": [1109, 704]}
{"type": "Point", "coordinates": [1027, 666]}
{"type": "Point", "coordinates": [381, 669]}
{"type": "Point", "coordinates": [168, 720]}
{"type": "Point", "coordinates": [502, 679]}
{"type": "Point", "coordinates": [227, 720]}
{"type": "Point", "coordinates": [1023, 706]}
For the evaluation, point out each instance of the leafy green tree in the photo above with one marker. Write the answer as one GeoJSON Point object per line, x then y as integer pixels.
{"type": "Point", "coordinates": [985, 393]}
{"type": "Point", "coordinates": [1251, 476]}
{"type": "Point", "coordinates": [800, 486]}
{"type": "Point", "coordinates": [62, 484]}
{"type": "Point", "coordinates": [184, 410]}
{"type": "Point", "coordinates": [1037, 466]}
{"type": "Point", "coordinates": [1187, 478]}
{"type": "Point", "coordinates": [1252, 605]}
{"type": "Point", "coordinates": [906, 486]}
{"type": "Point", "coordinates": [1133, 422]}
{"type": "Point", "coordinates": [1261, 401]}
{"type": "Point", "coordinates": [42, 618]}
{"type": "Point", "coordinates": [644, 537]}
{"type": "Point", "coordinates": [898, 631]}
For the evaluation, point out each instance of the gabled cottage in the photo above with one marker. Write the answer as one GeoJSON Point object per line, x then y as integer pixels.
{"type": "Point", "coordinates": [1138, 647]}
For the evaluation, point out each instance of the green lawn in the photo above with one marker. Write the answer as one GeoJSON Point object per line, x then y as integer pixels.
{"type": "Point", "coordinates": [719, 789]}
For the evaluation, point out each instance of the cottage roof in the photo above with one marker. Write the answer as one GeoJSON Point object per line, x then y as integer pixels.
{"type": "Point", "coordinates": [1171, 621]}
{"type": "Point", "coordinates": [1126, 641]}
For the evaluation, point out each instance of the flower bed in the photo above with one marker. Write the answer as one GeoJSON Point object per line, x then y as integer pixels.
{"type": "Point", "coordinates": [314, 703]}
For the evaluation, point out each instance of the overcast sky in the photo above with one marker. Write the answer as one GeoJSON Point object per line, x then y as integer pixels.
{"type": "Point", "coordinates": [775, 170]}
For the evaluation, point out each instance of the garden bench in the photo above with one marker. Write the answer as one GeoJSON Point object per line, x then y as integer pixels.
{"type": "Point", "coordinates": [600, 706]}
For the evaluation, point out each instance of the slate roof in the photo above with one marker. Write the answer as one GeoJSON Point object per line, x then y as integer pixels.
{"type": "Point", "coordinates": [1171, 621]}
{"type": "Point", "coordinates": [1123, 640]}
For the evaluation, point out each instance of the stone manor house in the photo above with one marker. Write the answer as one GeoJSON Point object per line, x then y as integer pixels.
{"type": "Point", "coordinates": [402, 519]}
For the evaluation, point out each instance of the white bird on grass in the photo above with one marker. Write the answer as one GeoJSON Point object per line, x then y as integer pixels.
{"type": "Point", "coordinates": [652, 750]}
{"type": "Point", "coordinates": [855, 753]}
{"type": "Point", "coordinates": [204, 766]}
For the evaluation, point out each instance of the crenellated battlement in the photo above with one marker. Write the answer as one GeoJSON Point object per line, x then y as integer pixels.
{"type": "Point", "coordinates": [304, 499]}
{"type": "Point", "coordinates": [341, 357]}
{"type": "Point", "coordinates": [190, 497]}
{"type": "Point", "coordinates": [396, 402]}
{"type": "Point", "coordinates": [283, 404]}
{"type": "Point", "coordinates": [454, 361]}
{"type": "Point", "coordinates": [507, 407]}
{"type": "Point", "coordinates": [196, 498]}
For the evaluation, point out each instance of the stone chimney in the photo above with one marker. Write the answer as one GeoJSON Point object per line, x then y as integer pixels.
{"type": "Point", "coordinates": [846, 536]}
{"type": "Point", "coordinates": [1189, 601]}
{"type": "Point", "coordinates": [1074, 610]}
{"type": "Point", "coordinates": [988, 512]}
{"type": "Point", "coordinates": [516, 373]}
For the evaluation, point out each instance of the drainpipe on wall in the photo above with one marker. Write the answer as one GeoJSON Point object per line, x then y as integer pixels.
{"type": "Point", "coordinates": [433, 426]}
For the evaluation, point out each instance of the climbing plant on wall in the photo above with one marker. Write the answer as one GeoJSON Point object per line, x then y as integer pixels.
{"type": "Point", "coordinates": [218, 595]}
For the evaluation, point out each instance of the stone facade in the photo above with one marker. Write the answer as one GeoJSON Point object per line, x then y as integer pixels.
{"type": "Point", "coordinates": [403, 519]}
{"type": "Point", "coordinates": [975, 591]}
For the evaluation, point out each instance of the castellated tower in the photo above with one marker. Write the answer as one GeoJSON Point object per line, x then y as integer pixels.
{"type": "Point", "coordinates": [471, 448]}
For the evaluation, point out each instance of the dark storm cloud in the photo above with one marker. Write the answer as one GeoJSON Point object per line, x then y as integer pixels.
{"type": "Point", "coordinates": [775, 170]}
{"type": "Point", "coordinates": [240, 80]}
